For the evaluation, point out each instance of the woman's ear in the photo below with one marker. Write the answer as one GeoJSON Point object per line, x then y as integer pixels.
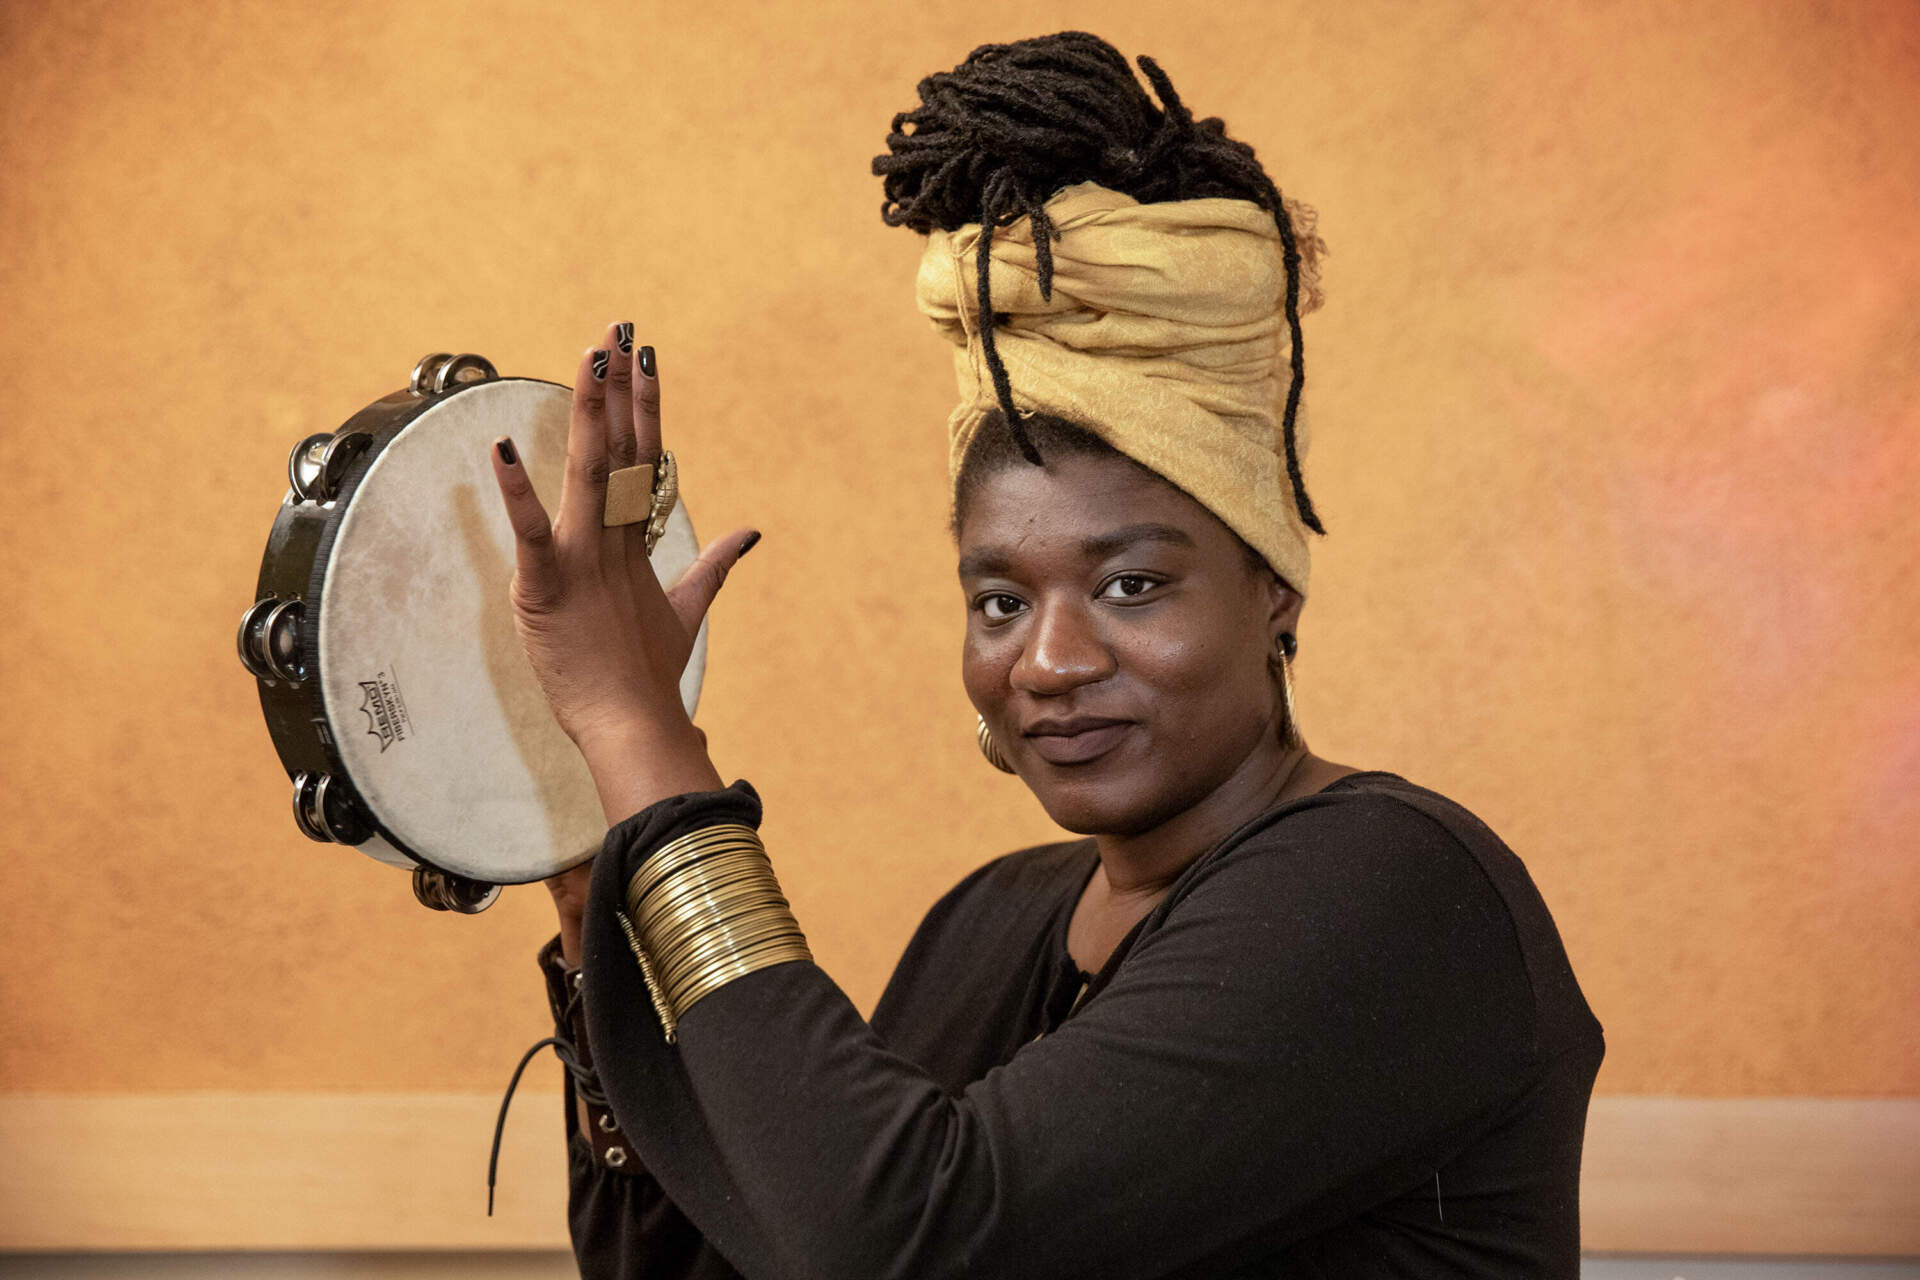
{"type": "Point", "coordinates": [1283, 609]}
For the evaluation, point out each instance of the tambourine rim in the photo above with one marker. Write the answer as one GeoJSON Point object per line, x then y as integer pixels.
{"type": "Point", "coordinates": [397, 412]}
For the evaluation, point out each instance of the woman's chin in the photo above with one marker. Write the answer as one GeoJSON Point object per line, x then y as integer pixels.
{"type": "Point", "coordinates": [1095, 803]}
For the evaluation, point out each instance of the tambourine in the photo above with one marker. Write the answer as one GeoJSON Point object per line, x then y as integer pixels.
{"type": "Point", "coordinates": [393, 683]}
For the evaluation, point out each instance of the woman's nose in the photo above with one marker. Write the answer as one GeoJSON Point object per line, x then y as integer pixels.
{"type": "Point", "coordinates": [1062, 652]}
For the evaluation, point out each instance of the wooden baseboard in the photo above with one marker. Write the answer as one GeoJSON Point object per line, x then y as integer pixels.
{"type": "Point", "coordinates": [1752, 1175]}
{"type": "Point", "coordinates": [252, 1171]}
{"type": "Point", "coordinates": [284, 1171]}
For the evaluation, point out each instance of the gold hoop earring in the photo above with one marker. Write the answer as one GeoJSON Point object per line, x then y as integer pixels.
{"type": "Point", "coordinates": [991, 749]}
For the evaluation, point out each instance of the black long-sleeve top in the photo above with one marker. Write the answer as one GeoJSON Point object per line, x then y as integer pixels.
{"type": "Point", "coordinates": [1347, 1043]}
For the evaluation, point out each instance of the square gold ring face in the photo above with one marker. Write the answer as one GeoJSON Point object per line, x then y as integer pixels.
{"type": "Point", "coordinates": [629, 496]}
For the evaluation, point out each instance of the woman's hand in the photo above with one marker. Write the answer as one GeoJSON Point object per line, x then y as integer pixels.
{"type": "Point", "coordinates": [607, 643]}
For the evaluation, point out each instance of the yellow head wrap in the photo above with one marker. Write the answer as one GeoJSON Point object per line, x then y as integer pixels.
{"type": "Point", "coordinates": [1161, 337]}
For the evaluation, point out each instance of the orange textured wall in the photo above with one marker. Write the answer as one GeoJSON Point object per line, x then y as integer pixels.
{"type": "Point", "coordinates": [1614, 429]}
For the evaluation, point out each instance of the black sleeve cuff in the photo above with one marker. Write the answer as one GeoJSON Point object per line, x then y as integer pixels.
{"type": "Point", "coordinates": [633, 840]}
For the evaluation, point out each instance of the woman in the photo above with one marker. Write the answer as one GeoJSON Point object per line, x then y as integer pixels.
{"type": "Point", "coordinates": [1273, 1016]}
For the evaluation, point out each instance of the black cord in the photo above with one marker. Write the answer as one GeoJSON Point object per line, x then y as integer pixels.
{"type": "Point", "coordinates": [586, 1085]}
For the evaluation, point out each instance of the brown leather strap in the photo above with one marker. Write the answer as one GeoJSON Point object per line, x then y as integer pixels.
{"type": "Point", "coordinates": [610, 1147]}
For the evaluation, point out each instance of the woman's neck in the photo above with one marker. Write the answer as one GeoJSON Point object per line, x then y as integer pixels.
{"type": "Point", "coordinates": [1146, 863]}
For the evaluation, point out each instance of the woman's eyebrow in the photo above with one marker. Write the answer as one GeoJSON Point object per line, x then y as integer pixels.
{"type": "Point", "coordinates": [1103, 545]}
{"type": "Point", "coordinates": [997, 562]}
{"type": "Point", "coordinates": [985, 562]}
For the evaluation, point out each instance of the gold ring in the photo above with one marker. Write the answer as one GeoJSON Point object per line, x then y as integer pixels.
{"type": "Point", "coordinates": [646, 493]}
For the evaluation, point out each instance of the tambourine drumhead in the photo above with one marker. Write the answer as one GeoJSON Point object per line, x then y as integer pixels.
{"type": "Point", "coordinates": [435, 714]}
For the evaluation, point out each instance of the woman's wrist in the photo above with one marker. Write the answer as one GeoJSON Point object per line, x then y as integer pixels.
{"type": "Point", "coordinates": [699, 904]}
{"type": "Point", "coordinates": [570, 927]}
{"type": "Point", "coordinates": [635, 765]}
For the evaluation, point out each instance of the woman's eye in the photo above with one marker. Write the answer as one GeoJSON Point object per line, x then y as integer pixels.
{"type": "Point", "coordinates": [1127, 584]}
{"type": "Point", "coordinates": [998, 608]}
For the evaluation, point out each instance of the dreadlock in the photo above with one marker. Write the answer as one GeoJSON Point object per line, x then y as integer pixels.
{"type": "Point", "coordinates": [993, 139]}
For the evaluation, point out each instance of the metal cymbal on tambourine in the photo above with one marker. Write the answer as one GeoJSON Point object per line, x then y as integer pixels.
{"type": "Point", "coordinates": [392, 681]}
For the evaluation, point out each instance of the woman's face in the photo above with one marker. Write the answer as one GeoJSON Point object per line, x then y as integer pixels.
{"type": "Point", "coordinates": [1118, 642]}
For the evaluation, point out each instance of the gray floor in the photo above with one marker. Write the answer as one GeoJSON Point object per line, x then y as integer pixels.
{"type": "Point", "coordinates": [559, 1266]}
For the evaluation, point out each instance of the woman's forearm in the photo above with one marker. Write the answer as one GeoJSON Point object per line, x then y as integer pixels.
{"type": "Point", "coordinates": [639, 762]}
{"type": "Point", "coordinates": [570, 939]}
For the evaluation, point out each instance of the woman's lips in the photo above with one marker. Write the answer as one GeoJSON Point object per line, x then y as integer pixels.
{"type": "Point", "coordinates": [1076, 741]}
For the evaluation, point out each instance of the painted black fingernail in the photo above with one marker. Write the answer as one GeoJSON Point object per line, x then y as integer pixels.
{"type": "Point", "coordinates": [647, 365]}
{"type": "Point", "coordinates": [623, 334]}
{"type": "Point", "coordinates": [507, 455]}
{"type": "Point", "coordinates": [747, 543]}
{"type": "Point", "coordinates": [601, 359]}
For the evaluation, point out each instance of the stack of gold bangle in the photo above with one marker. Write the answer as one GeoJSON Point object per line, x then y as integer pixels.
{"type": "Point", "coordinates": [704, 910]}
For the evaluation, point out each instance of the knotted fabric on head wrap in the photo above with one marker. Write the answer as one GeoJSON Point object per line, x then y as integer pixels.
{"type": "Point", "coordinates": [1161, 335]}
